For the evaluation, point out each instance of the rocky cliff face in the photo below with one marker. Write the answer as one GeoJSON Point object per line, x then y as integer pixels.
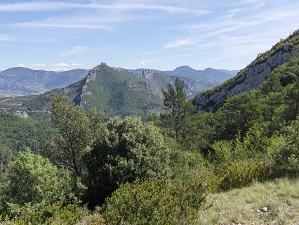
{"type": "Point", "coordinates": [246, 80]}
{"type": "Point", "coordinates": [79, 99]}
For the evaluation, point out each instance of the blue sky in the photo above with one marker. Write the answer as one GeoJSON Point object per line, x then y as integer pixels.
{"type": "Point", "coordinates": [62, 35]}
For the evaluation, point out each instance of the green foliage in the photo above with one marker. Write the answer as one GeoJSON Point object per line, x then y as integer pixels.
{"type": "Point", "coordinates": [148, 202]}
{"type": "Point", "coordinates": [241, 161]}
{"type": "Point", "coordinates": [120, 93]}
{"type": "Point", "coordinates": [285, 149]}
{"type": "Point", "coordinates": [241, 173]}
{"type": "Point", "coordinates": [16, 134]}
{"type": "Point", "coordinates": [76, 132]}
{"type": "Point", "coordinates": [19, 133]}
{"type": "Point", "coordinates": [157, 201]}
{"type": "Point", "coordinates": [33, 183]}
{"type": "Point", "coordinates": [202, 130]}
{"type": "Point", "coordinates": [178, 109]}
{"type": "Point", "coordinates": [239, 113]}
{"type": "Point", "coordinates": [126, 150]}
{"type": "Point", "coordinates": [56, 213]}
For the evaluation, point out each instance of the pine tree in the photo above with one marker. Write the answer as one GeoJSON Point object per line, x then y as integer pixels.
{"type": "Point", "coordinates": [178, 108]}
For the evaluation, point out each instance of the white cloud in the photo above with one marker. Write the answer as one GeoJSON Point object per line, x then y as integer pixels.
{"type": "Point", "coordinates": [179, 43]}
{"type": "Point", "coordinates": [65, 66]}
{"type": "Point", "coordinates": [47, 24]}
{"type": "Point", "coordinates": [147, 61]}
{"type": "Point", "coordinates": [8, 38]}
{"type": "Point", "coordinates": [76, 50]}
{"type": "Point", "coordinates": [129, 6]}
{"type": "Point", "coordinates": [36, 6]}
{"type": "Point", "coordinates": [38, 66]}
{"type": "Point", "coordinates": [21, 65]}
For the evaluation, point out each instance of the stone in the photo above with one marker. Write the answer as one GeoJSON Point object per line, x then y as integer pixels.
{"type": "Point", "coordinates": [265, 209]}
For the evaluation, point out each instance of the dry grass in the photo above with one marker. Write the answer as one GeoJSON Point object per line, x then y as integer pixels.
{"type": "Point", "coordinates": [242, 206]}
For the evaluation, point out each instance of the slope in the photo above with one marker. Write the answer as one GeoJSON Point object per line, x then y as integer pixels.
{"type": "Point", "coordinates": [274, 202]}
{"type": "Point", "coordinates": [251, 76]}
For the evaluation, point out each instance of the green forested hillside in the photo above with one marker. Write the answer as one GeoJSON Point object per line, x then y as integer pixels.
{"type": "Point", "coordinates": [119, 93]}
{"type": "Point", "coordinates": [17, 134]}
{"type": "Point", "coordinates": [162, 171]}
{"type": "Point", "coordinates": [159, 171]}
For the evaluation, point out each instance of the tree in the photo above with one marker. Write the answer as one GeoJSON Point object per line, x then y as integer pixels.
{"type": "Point", "coordinates": [126, 150]}
{"type": "Point", "coordinates": [33, 183]}
{"type": "Point", "coordinates": [239, 113]}
{"type": "Point", "coordinates": [76, 132]}
{"type": "Point", "coordinates": [178, 108]}
{"type": "Point", "coordinates": [285, 149]}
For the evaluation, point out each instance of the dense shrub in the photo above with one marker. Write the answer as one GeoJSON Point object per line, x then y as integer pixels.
{"type": "Point", "coordinates": [241, 173]}
{"type": "Point", "coordinates": [284, 149]}
{"type": "Point", "coordinates": [33, 183]}
{"type": "Point", "coordinates": [126, 150]}
{"type": "Point", "coordinates": [52, 214]}
{"type": "Point", "coordinates": [157, 201]}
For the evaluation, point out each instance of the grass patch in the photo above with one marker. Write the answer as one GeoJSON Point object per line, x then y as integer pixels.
{"type": "Point", "coordinates": [245, 206]}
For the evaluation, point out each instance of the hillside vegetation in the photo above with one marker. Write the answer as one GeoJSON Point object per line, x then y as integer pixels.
{"type": "Point", "coordinates": [176, 167]}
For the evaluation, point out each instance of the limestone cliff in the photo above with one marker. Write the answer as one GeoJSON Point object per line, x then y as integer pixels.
{"type": "Point", "coordinates": [250, 77]}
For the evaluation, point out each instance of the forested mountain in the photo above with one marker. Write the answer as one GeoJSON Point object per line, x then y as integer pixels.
{"type": "Point", "coordinates": [20, 81]}
{"type": "Point", "coordinates": [114, 91]}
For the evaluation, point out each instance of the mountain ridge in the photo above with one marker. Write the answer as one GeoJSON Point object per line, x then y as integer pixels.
{"type": "Point", "coordinates": [19, 81]}
{"type": "Point", "coordinates": [251, 76]}
{"type": "Point", "coordinates": [114, 91]}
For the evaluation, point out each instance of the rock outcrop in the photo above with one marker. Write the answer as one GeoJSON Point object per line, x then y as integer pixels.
{"type": "Point", "coordinates": [246, 80]}
{"type": "Point", "coordinates": [146, 74]}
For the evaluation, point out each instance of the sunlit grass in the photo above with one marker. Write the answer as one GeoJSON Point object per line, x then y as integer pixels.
{"type": "Point", "coordinates": [244, 206]}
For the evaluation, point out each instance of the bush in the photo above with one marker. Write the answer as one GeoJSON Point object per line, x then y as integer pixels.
{"type": "Point", "coordinates": [52, 214]}
{"type": "Point", "coordinates": [284, 149]}
{"type": "Point", "coordinates": [126, 150]}
{"type": "Point", "coordinates": [242, 173]}
{"type": "Point", "coordinates": [33, 183]}
{"type": "Point", "coordinates": [158, 201]}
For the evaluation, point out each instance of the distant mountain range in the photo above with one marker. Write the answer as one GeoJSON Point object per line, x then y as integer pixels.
{"type": "Point", "coordinates": [21, 81]}
{"type": "Point", "coordinates": [208, 77]}
{"type": "Point", "coordinates": [114, 91]}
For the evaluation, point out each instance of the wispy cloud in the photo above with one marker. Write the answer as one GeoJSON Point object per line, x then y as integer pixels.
{"type": "Point", "coordinates": [147, 61]}
{"type": "Point", "coordinates": [179, 43]}
{"type": "Point", "coordinates": [56, 5]}
{"type": "Point", "coordinates": [62, 25]}
{"type": "Point", "coordinates": [77, 50]}
{"type": "Point", "coordinates": [38, 66]}
{"type": "Point", "coordinates": [4, 37]}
